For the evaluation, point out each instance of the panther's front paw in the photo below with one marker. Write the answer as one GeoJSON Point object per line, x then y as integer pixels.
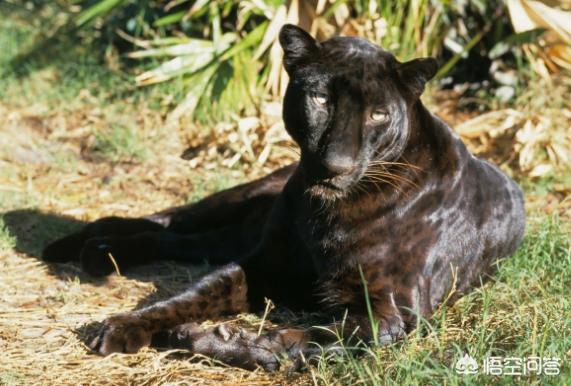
{"type": "Point", "coordinates": [97, 259]}
{"type": "Point", "coordinates": [231, 345]}
{"type": "Point", "coordinates": [125, 332]}
{"type": "Point", "coordinates": [391, 330]}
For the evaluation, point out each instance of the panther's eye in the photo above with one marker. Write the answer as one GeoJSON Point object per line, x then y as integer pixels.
{"type": "Point", "coordinates": [379, 115]}
{"type": "Point", "coordinates": [320, 99]}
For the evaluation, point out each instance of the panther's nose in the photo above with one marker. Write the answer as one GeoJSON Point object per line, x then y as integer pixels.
{"type": "Point", "coordinates": [337, 164]}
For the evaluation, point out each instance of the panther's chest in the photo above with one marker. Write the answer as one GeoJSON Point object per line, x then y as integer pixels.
{"type": "Point", "coordinates": [337, 242]}
{"type": "Point", "coordinates": [389, 261]}
{"type": "Point", "coordinates": [393, 241]}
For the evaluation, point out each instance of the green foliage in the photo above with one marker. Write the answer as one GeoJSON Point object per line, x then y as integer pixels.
{"type": "Point", "coordinates": [218, 50]}
{"type": "Point", "coordinates": [218, 54]}
{"type": "Point", "coordinates": [100, 8]}
{"type": "Point", "coordinates": [29, 77]}
{"type": "Point", "coordinates": [67, 72]}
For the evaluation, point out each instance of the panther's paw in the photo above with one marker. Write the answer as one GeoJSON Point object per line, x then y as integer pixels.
{"type": "Point", "coordinates": [125, 333]}
{"type": "Point", "coordinates": [391, 330]}
{"type": "Point", "coordinates": [232, 345]}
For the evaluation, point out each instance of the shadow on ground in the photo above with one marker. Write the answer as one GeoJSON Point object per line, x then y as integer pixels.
{"type": "Point", "coordinates": [32, 230]}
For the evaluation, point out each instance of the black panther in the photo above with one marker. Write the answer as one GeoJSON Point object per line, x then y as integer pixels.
{"type": "Point", "coordinates": [385, 199]}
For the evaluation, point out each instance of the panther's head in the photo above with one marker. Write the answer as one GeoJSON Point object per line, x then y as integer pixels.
{"type": "Point", "coordinates": [347, 106]}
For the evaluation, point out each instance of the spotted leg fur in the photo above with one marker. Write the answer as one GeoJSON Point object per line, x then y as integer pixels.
{"type": "Point", "coordinates": [222, 292]}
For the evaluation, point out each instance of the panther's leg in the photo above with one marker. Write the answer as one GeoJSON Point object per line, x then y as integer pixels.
{"type": "Point", "coordinates": [166, 324]}
{"type": "Point", "coordinates": [238, 206]}
{"type": "Point", "coordinates": [235, 346]}
{"type": "Point", "coordinates": [246, 349]}
{"type": "Point", "coordinates": [224, 291]}
{"type": "Point", "coordinates": [69, 247]}
{"type": "Point", "coordinates": [218, 247]}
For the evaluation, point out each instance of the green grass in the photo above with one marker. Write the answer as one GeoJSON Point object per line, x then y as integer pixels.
{"type": "Point", "coordinates": [7, 241]}
{"type": "Point", "coordinates": [203, 186]}
{"type": "Point", "coordinates": [31, 80]}
{"type": "Point", "coordinates": [11, 378]}
{"type": "Point", "coordinates": [522, 312]}
{"type": "Point", "coordinates": [67, 70]}
{"type": "Point", "coordinates": [120, 143]}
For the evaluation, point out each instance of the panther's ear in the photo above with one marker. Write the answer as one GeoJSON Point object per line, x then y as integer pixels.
{"type": "Point", "coordinates": [297, 45]}
{"type": "Point", "coordinates": [416, 73]}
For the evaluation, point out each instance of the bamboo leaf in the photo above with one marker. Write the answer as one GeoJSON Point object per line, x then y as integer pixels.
{"type": "Point", "coordinates": [100, 8]}
{"type": "Point", "coordinates": [170, 19]}
{"type": "Point", "coordinates": [197, 7]}
{"type": "Point", "coordinates": [272, 31]}
{"type": "Point", "coordinates": [197, 84]}
{"type": "Point", "coordinates": [251, 39]}
{"type": "Point", "coordinates": [192, 47]}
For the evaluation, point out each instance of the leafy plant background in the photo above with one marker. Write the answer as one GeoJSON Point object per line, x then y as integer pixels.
{"type": "Point", "coordinates": [225, 60]}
